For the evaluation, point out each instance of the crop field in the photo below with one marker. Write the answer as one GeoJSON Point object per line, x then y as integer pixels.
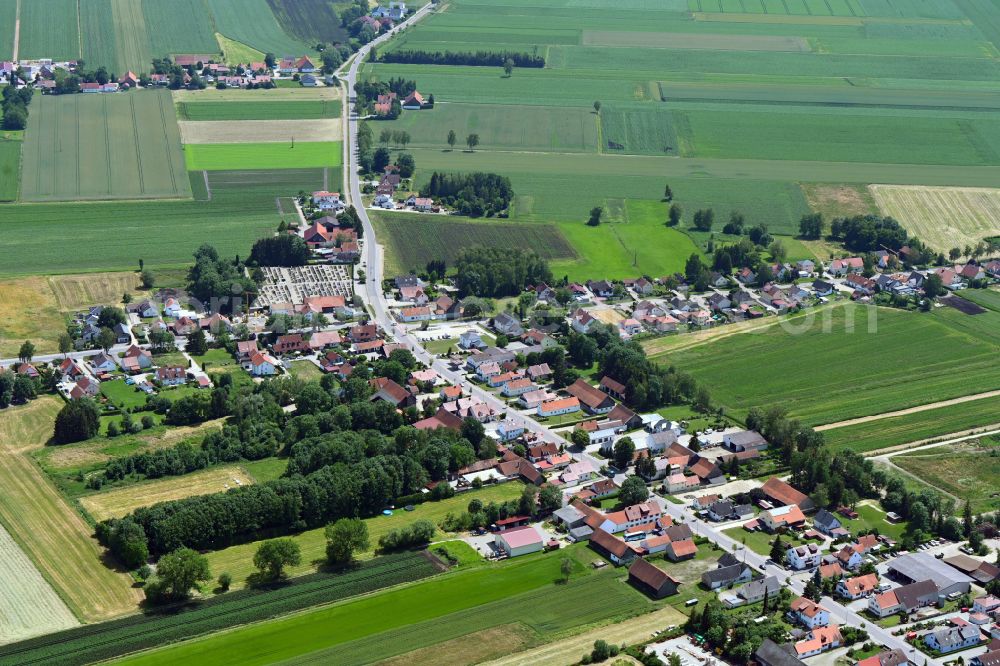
{"type": "Point", "coordinates": [119, 502]}
{"type": "Point", "coordinates": [412, 239]}
{"type": "Point", "coordinates": [260, 131]}
{"type": "Point", "coordinates": [49, 531]}
{"type": "Point", "coordinates": [384, 625]}
{"type": "Point", "coordinates": [285, 155]}
{"type": "Point", "coordinates": [858, 373]}
{"type": "Point", "coordinates": [942, 217]}
{"type": "Point", "coordinates": [253, 23]}
{"type": "Point", "coordinates": [103, 147]}
{"type": "Point", "coordinates": [10, 168]}
{"type": "Point", "coordinates": [100, 642]}
{"type": "Point", "coordinates": [113, 34]}
{"type": "Point", "coordinates": [238, 560]}
{"type": "Point", "coordinates": [296, 94]}
{"type": "Point", "coordinates": [310, 20]}
{"type": "Point", "coordinates": [254, 109]}
{"type": "Point", "coordinates": [242, 208]}
{"type": "Point", "coordinates": [49, 30]}
{"type": "Point", "coordinates": [547, 129]}
{"type": "Point", "coordinates": [916, 427]}
{"type": "Point", "coordinates": [8, 12]}
{"type": "Point", "coordinates": [28, 606]}
{"type": "Point", "coordinates": [969, 471]}
{"type": "Point", "coordinates": [988, 298]}
{"type": "Point", "coordinates": [639, 129]}
{"type": "Point", "coordinates": [180, 26]}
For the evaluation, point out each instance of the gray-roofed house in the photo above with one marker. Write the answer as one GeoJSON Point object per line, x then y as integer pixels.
{"type": "Point", "coordinates": [754, 591]}
{"type": "Point", "coordinates": [715, 579]}
{"type": "Point", "coordinates": [828, 524]}
{"type": "Point", "coordinates": [570, 516]}
{"type": "Point", "coordinates": [721, 510]}
{"type": "Point", "coordinates": [507, 324]}
{"type": "Point", "coordinates": [953, 638]}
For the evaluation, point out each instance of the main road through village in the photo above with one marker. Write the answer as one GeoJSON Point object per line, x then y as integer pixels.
{"type": "Point", "coordinates": [374, 295]}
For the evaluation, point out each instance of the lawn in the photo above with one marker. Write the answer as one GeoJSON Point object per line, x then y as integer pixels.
{"type": "Point", "coordinates": [254, 109]}
{"type": "Point", "coordinates": [760, 542]}
{"type": "Point", "coordinates": [966, 471]}
{"type": "Point", "coordinates": [858, 371]}
{"type": "Point", "coordinates": [92, 147]}
{"type": "Point", "coordinates": [234, 51]}
{"type": "Point", "coordinates": [47, 529]}
{"type": "Point", "coordinates": [267, 469]}
{"type": "Point", "coordinates": [386, 624]}
{"type": "Point", "coordinates": [305, 370]}
{"type": "Point", "coordinates": [229, 156]}
{"type": "Point", "coordinates": [237, 560]}
{"type": "Point", "coordinates": [10, 165]}
{"type": "Point", "coordinates": [871, 517]}
{"type": "Point", "coordinates": [124, 396]}
{"type": "Point", "coordinates": [916, 427]}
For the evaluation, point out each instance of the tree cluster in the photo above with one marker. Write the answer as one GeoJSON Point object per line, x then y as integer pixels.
{"type": "Point", "coordinates": [498, 272]}
{"type": "Point", "coordinates": [215, 281]}
{"type": "Point", "coordinates": [869, 233]}
{"type": "Point", "coordinates": [418, 533]}
{"type": "Point", "coordinates": [463, 58]}
{"type": "Point", "coordinates": [472, 194]}
{"type": "Point", "coordinates": [280, 250]}
{"type": "Point", "coordinates": [14, 107]}
{"type": "Point", "coordinates": [737, 635]}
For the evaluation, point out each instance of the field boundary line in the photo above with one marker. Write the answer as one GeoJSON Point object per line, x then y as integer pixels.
{"type": "Point", "coordinates": [208, 188]}
{"type": "Point", "coordinates": [932, 442]}
{"type": "Point", "coordinates": [138, 151]}
{"type": "Point", "coordinates": [907, 411]}
{"type": "Point", "coordinates": [17, 30]}
{"type": "Point", "coordinates": [107, 142]}
{"type": "Point", "coordinates": [166, 143]}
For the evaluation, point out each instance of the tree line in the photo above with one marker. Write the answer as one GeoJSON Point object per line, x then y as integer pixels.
{"type": "Point", "coordinates": [464, 58]}
{"type": "Point", "coordinates": [472, 194]}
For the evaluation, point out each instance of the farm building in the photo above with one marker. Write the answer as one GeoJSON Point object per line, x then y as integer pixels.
{"type": "Point", "coordinates": [519, 541]}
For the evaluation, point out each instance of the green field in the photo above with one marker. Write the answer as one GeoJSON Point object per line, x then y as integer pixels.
{"type": "Point", "coordinates": [916, 427]}
{"type": "Point", "coordinates": [10, 167]}
{"type": "Point", "coordinates": [238, 560]}
{"type": "Point", "coordinates": [164, 234]}
{"type": "Point", "coordinates": [49, 30]}
{"type": "Point", "coordinates": [259, 110]}
{"type": "Point", "coordinates": [124, 146]}
{"type": "Point", "coordinates": [230, 156]}
{"type": "Point", "coordinates": [253, 23]}
{"type": "Point", "coordinates": [852, 373]}
{"type": "Point", "coordinates": [988, 298]}
{"type": "Point", "coordinates": [8, 10]}
{"type": "Point", "coordinates": [967, 471]}
{"type": "Point", "coordinates": [426, 613]}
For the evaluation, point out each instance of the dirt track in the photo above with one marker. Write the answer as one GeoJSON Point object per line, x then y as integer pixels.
{"type": "Point", "coordinates": [911, 410]}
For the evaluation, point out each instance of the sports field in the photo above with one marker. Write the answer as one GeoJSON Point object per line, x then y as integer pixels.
{"type": "Point", "coordinates": [283, 155]}
{"type": "Point", "coordinates": [123, 146]}
{"type": "Point", "coordinates": [943, 217]}
{"type": "Point", "coordinates": [49, 531]}
{"type": "Point", "coordinates": [119, 502]}
{"type": "Point", "coordinates": [238, 560]}
{"type": "Point", "coordinates": [855, 372]}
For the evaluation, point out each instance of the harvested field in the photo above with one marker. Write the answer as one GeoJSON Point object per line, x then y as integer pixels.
{"type": "Point", "coordinates": [680, 40]}
{"type": "Point", "coordinates": [123, 501]}
{"type": "Point", "coordinates": [259, 131]}
{"type": "Point", "coordinates": [942, 217]}
{"type": "Point", "coordinates": [964, 306]}
{"type": "Point", "coordinates": [28, 606]}
{"type": "Point", "coordinates": [240, 95]}
{"type": "Point", "coordinates": [469, 649]}
{"type": "Point", "coordinates": [28, 311]}
{"type": "Point", "coordinates": [75, 292]}
{"type": "Point", "coordinates": [49, 531]}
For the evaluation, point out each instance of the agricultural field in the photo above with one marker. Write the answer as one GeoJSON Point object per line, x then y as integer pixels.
{"type": "Point", "coordinates": [255, 132]}
{"type": "Point", "coordinates": [311, 20]}
{"type": "Point", "coordinates": [284, 155]}
{"type": "Point", "coordinates": [988, 298]}
{"type": "Point", "coordinates": [296, 94]}
{"type": "Point", "coordinates": [238, 560]}
{"type": "Point", "coordinates": [967, 471]}
{"type": "Point", "coordinates": [260, 110]}
{"type": "Point", "coordinates": [8, 14]}
{"type": "Point", "coordinates": [49, 29]}
{"type": "Point", "coordinates": [427, 613]}
{"type": "Point", "coordinates": [46, 528]}
{"type": "Point", "coordinates": [10, 165]}
{"type": "Point", "coordinates": [253, 23]}
{"type": "Point", "coordinates": [942, 217]}
{"type": "Point", "coordinates": [859, 371]}
{"type": "Point", "coordinates": [234, 51]}
{"type": "Point", "coordinates": [28, 606]}
{"type": "Point", "coordinates": [101, 642]}
{"type": "Point", "coordinates": [917, 427]}
{"type": "Point", "coordinates": [81, 147]}
{"type": "Point", "coordinates": [235, 209]}
{"type": "Point", "coordinates": [118, 502]}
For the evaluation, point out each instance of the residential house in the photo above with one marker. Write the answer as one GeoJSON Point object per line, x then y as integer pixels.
{"type": "Point", "coordinates": [822, 288]}
{"type": "Point", "coordinates": [629, 327]}
{"type": "Point", "coordinates": [363, 333]}
{"type": "Point", "coordinates": [102, 363]}
{"type": "Point", "coordinates": [819, 640]}
{"type": "Point", "coordinates": [441, 419]}
{"type": "Point", "coordinates": [989, 658]}
{"type": "Point", "coordinates": [171, 375]}
{"type": "Point", "coordinates": [85, 387]}
{"type": "Point", "coordinates": [68, 369]}
{"type": "Point", "coordinates": [808, 613]}
{"type": "Point", "coordinates": [602, 432]}
{"type": "Point", "coordinates": [136, 359]}
{"type": "Point", "coordinates": [509, 429]}
{"type": "Point", "coordinates": [643, 517]}
{"type": "Point", "coordinates": [719, 302]}
{"type": "Point", "coordinates": [578, 472]}
{"type": "Point", "coordinates": [389, 391]}
{"type": "Point", "coordinates": [887, 658]}
{"type": "Point", "coordinates": [327, 200]}
{"type": "Point", "coordinates": [601, 288]}
{"type": "Point", "coordinates": [721, 510]}
{"type": "Point", "coordinates": [755, 591]}
{"type": "Point", "coordinates": [532, 399]}
{"type": "Point", "coordinates": [849, 558]}
{"type": "Point", "coordinates": [245, 349]}
{"type": "Point", "coordinates": [771, 654]}
{"type": "Point", "coordinates": [31, 372]}
{"type": "Point", "coordinates": [539, 372]}
{"type": "Point", "coordinates": [807, 556]}
{"type": "Point", "coordinates": [289, 344]}
{"type": "Point", "coordinates": [261, 364]}
{"type": "Point", "coordinates": [518, 386]}
{"type": "Point", "coordinates": [988, 605]}
{"type": "Point", "coordinates": [507, 324]}
{"type": "Point", "coordinates": [414, 101]}
{"type": "Point", "coordinates": [829, 524]}
{"type": "Point", "coordinates": [841, 267]}
{"type": "Point", "coordinates": [582, 321]}
{"type": "Point", "coordinates": [858, 586]}
{"type": "Point", "coordinates": [952, 639]}
{"type": "Point", "coordinates": [471, 340]}
{"type": "Point", "coordinates": [904, 599]}
{"type": "Point", "coordinates": [783, 517]}
{"type": "Point", "coordinates": [726, 576]}
{"type": "Point", "coordinates": [536, 338]}
{"type": "Point", "coordinates": [652, 580]}
{"type": "Point", "coordinates": [558, 407]}
{"type": "Point", "coordinates": [861, 285]}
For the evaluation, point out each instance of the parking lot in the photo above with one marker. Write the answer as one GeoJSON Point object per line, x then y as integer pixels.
{"type": "Point", "coordinates": [690, 654]}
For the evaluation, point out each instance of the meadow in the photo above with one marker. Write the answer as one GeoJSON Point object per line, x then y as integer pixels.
{"type": "Point", "coordinates": [259, 110]}
{"type": "Point", "coordinates": [240, 210]}
{"type": "Point", "coordinates": [81, 147]}
{"type": "Point", "coordinates": [942, 217]}
{"type": "Point", "coordinates": [225, 157]}
{"type": "Point", "coordinates": [854, 372]}
{"type": "Point", "coordinates": [426, 613]}
{"type": "Point", "coordinates": [970, 471]}
{"type": "Point", "coordinates": [238, 560]}
{"type": "Point", "coordinates": [47, 529]}
{"type": "Point", "coordinates": [916, 427]}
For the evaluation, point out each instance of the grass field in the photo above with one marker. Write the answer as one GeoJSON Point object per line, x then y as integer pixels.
{"type": "Point", "coordinates": [80, 147]}
{"type": "Point", "coordinates": [10, 165]}
{"type": "Point", "coordinates": [942, 217]}
{"type": "Point", "coordinates": [988, 298]}
{"type": "Point", "coordinates": [242, 208]}
{"type": "Point", "coordinates": [238, 560]}
{"type": "Point", "coordinates": [284, 155]}
{"type": "Point", "coordinates": [916, 427]}
{"type": "Point", "coordinates": [387, 624]}
{"type": "Point", "coordinates": [970, 470]}
{"type": "Point", "coordinates": [305, 370]}
{"type": "Point", "coordinates": [49, 531]}
{"type": "Point", "coordinates": [234, 51]}
{"type": "Point", "coordinates": [119, 502]}
{"type": "Point", "coordinates": [259, 110]}
{"type": "Point", "coordinates": [856, 373]}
